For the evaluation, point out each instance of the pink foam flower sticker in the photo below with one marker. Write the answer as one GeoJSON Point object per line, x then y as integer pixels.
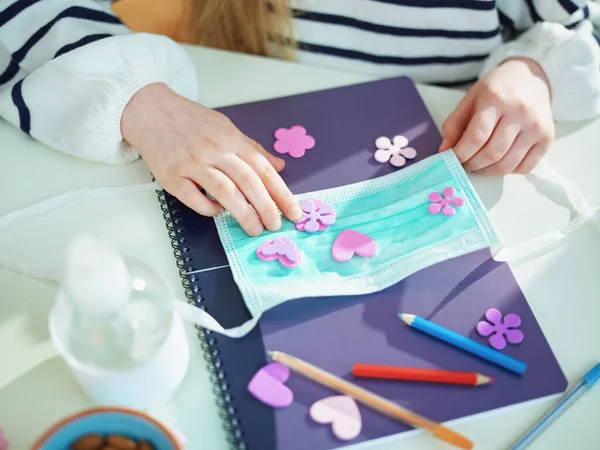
{"type": "Point", "coordinates": [500, 330]}
{"type": "Point", "coordinates": [445, 202]}
{"type": "Point", "coordinates": [395, 151]}
{"type": "Point", "coordinates": [294, 141]}
{"type": "Point", "coordinates": [316, 216]}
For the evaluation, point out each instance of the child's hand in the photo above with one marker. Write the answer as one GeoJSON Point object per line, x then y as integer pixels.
{"type": "Point", "coordinates": [187, 147]}
{"type": "Point", "coordinates": [504, 124]}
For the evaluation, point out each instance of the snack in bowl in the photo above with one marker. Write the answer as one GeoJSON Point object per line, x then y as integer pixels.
{"type": "Point", "coordinates": [108, 428]}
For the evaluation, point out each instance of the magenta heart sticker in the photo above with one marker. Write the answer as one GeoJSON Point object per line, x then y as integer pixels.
{"type": "Point", "coordinates": [267, 386]}
{"type": "Point", "coordinates": [342, 412]}
{"type": "Point", "coordinates": [350, 242]}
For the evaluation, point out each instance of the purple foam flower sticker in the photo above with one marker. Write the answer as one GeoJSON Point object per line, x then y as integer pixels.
{"type": "Point", "coordinates": [282, 250]}
{"type": "Point", "coordinates": [445, 203]}
{"type": "Point", "coordinates": [316, 216]}
{"type": "Point", "coordinates": [499, 330]}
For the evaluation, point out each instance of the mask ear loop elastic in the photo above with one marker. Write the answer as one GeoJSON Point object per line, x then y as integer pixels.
{"type": "Point", "coordinates": [553, 238]}
{"type": "Point", "coordinates": [10, 262]}
{"type": "Point", "coordinates": [53, 203]}
{"type": "Point", "coordinates": [190, 313]}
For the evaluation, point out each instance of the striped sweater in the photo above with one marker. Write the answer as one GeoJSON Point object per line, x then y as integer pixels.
{"type": "Point", "coordinates": [69, 67]}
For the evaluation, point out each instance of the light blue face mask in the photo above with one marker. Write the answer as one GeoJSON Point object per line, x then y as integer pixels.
{"type": "Point", "coordinates": [418, 216]}
{"type": "Point", "coordinates": [393, 210]}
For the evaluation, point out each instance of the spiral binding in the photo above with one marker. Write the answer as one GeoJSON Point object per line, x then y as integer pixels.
{"type": "Point", "coordinates": [208, 340]}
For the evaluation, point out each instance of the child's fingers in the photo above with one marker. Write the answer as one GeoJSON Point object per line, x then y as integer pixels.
{"type": "Point", "coordinates": [277, 188]}
{"type": "Point", "coordinates": [533, 157]}
{"type": "Point", "coordinates": [478, 131]}
{"type": "Point", "coordinates": [189, 194]}
{"type": "Point", "coordinates": [277, 163]}
{"type": "Point", "coordinates": [456, 123]}
{"type": "Point", "coordinates": [227, 194]}
{"type": "Point", "coordinates": [250, 184]}
{"type": "Point", "coordinates": [497, 146]}
{"type": "Point", "coordinates": [513, 157]}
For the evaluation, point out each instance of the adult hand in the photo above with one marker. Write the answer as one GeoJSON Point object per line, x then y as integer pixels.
{"type": "Point", "coordinates": [187, 147]}
{"type": "Point", "coordinates": [504, 123]}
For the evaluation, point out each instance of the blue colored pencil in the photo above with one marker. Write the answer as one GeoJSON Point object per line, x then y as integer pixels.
{"type": "Point", "coordinates": [464, 343]}
{"type": "Point", "coordinates": [588, 380]}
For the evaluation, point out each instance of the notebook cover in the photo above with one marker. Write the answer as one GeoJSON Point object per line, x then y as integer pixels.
{"type": "Point", "coordinates": [338, 332]}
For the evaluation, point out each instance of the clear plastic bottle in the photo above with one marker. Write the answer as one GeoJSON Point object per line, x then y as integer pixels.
{"type": "Point", "coordinates": [115, 324]}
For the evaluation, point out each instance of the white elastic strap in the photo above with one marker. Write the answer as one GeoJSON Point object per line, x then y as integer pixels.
{"type": "Point", "coordinates": [201, 318]}
{"type": "Point", "coordinates": [24, 266]}
{"type": "Point", "coordinates": [53, 203]}
{"type": "Point", "coordinates": [32, 269]}
{"type": "Point", "coordinates": [545, 241]}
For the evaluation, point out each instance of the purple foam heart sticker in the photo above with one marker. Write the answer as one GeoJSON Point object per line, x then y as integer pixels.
{"type": "Point", "coordinates": [282, 250]}
{"type": "Point", "coordinates": [267, 386]}
{"type": "Point", "coordinates": [350, 242]}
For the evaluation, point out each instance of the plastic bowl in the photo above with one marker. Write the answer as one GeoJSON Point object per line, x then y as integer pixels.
{"type": "Point", "coordinates": [107, 421]}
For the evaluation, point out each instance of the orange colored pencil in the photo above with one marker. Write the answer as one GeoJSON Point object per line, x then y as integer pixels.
{"type": "Point", "coordinates": [371, 400]}
{"type": "Point", "coordinates": [423, 375]}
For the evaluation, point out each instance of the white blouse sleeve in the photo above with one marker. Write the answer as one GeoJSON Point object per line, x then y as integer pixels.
{"type": "Point", "coordinates": [67, 82]}
{"type": "Point", "coordinates": [565, 49]}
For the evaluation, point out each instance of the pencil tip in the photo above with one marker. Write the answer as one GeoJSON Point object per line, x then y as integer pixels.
{"type": "Point", "coordinates": [452, 437]}
{"type": "Point", "coordinates": [482, 379]}
{"type": "Point", "coordinates": [407, 318]}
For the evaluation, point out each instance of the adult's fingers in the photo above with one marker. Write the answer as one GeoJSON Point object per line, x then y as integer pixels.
{"type": "Point", "coordinates": [274, 184]}
{"type": "Point", "coordinates": [457, 122]}
{"type": "Point", "coordinates": [277, 163]}
{"type": "Point", "coordinates": [189, 194]}
{"type": "Point", "coordinates": [250, 184]}
{"type": "Point", "coordinates": [227, 194]}
{"type": "Point", "coordinates": [478, 131]}
{"type": "Point", "coordinates": [497, 146]}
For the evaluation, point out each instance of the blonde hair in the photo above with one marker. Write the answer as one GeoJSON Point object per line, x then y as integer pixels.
{"type": "Point", "coordinates": [258, 27]}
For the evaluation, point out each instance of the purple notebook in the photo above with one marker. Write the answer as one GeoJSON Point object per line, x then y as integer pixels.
{"type": "Point", "coordinates": [339, 332]}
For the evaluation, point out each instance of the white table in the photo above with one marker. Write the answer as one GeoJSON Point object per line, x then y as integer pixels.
{"type": "Point", "coordinates": [36, 388]}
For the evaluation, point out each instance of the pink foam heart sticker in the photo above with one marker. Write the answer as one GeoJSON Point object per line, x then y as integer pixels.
{"type": "Point", "coordinates": [342, 412]}
{"type": "Point", "coordinates": [350, 242]}
{"type": "Point", "coordinates": [267, 386]}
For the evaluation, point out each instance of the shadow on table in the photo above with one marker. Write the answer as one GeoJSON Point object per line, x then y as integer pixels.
{"type": "Point", "coordinates": [564, 297]}
{"type": "Point", "coordinates": [488, 188]}
{"type": "Point", "coordinates": [565, 129]}
{"type": "Point", "coordinates": [552, 191]}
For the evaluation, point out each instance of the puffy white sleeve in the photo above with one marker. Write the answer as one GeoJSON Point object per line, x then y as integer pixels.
{"type": "Point", "coordinates": [559, 37]}
{"type": "Point", "coordinates": [69, 68]}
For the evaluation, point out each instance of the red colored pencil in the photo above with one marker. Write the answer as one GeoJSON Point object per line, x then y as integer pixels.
{"type": "Point", "coordinates": [423, 375]}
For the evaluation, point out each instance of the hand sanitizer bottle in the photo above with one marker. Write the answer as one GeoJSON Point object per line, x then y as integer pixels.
{"type": "Point", "coordinates": [115, 324]}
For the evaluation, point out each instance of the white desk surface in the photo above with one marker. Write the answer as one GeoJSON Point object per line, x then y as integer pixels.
{"type": "Point", "coordinates": [36, 388]}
